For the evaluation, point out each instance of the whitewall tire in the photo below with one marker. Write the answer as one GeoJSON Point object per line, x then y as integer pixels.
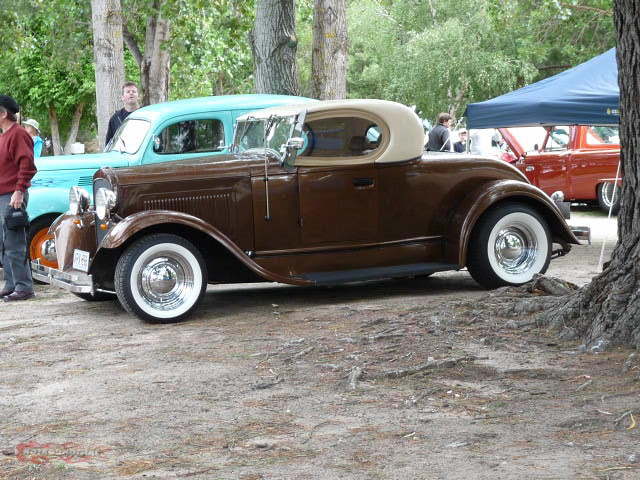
{"type": "Point", "coordinates": [161, 278]}
{"type": "Point", "coordinates": [510, 243]}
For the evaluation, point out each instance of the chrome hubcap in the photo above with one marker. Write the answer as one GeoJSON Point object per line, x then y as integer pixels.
{"type": "Point", "coordinates": [515, 249]}
{"type": "Point", "coordinates": [165, 282]}
{"type": "Point", "coordinates": [48, 250]}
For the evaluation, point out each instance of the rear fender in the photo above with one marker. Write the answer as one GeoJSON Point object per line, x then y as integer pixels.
{"type": "Point", "coordinates": [486, 196]}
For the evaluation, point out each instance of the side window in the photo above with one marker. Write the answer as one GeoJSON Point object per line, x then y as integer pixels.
{"type": "Point", "coordinates": [192, 136]}
{"type": "Point", "coordinates": [340, 137]}
{"type": "Point", "coordinates": [602, 136]}
{"type": "Point", "coordinates": [558, 139]}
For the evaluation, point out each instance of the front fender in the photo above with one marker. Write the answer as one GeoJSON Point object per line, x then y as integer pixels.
{"type": "Point", "coordinates": [47, 201]}
{"type": "Point", "coordinates": [488, 194]}
{"type": "Point", "coordinates": [137, 222]}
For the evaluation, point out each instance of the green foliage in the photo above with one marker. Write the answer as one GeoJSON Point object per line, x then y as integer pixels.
{"type": "Point", "coordinates": [435, 54]}
{"type": "Point", "coordinates": [47, 60]}
{"type": "Point", "coordinates": [440, 55]}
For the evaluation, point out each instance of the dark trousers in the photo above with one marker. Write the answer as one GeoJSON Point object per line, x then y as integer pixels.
{"type": "Point", "coordinates": [15, 258]}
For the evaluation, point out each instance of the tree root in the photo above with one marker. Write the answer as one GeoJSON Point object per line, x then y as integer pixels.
{"type": "Point", "coordinates": [430, 365]}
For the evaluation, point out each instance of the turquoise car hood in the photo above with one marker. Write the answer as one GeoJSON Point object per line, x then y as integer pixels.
{"type": "Point", "coordinates": [75, 162]}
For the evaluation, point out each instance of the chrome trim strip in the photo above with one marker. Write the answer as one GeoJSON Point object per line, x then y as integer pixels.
{"type": "Point", "coordinates": [76, 282]}
{"type": "Point", "coordinates": [346, 248]}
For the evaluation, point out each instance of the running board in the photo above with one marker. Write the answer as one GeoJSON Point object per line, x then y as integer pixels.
{"type": "Point", "coordinates": [376, 273]}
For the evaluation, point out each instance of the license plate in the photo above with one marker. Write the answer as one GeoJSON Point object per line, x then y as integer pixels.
{"type": "Point", "coordinates": [81, 260]}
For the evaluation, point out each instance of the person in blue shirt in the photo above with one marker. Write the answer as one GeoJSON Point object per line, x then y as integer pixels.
{"type": "Point", "coordinates": [33, 128]}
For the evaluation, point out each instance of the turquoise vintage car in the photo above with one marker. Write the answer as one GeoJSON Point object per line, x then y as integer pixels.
{"type": "Point", "coordinates": [162, 132]}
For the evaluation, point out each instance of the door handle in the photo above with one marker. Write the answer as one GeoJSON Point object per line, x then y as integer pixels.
{"type": "Point", "coordinates": [362, 182]}
{"type": "Point", "coordinates": [530, 168]}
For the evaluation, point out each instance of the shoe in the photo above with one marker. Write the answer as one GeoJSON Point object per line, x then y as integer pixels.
{"type": "Point", "coordinates": [5, 291]}
{"type": "Point", "coordinates": [16, 296]}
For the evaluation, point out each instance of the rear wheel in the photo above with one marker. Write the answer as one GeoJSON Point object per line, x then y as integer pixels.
{"type": "Point", "coordinates": [510, 243]}
{"type": "Point", "coordinates": [161, 278]}
{"type": "Point", "coordinates": [608, 196]}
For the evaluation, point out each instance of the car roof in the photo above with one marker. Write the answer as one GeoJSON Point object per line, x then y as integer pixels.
{"type": "Point", "coordinates": [406, 135]}
{"type": "Point", "coordinates": [214, 103]}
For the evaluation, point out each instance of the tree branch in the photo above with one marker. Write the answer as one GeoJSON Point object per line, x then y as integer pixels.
{"type": "Point", "coordinates": [587, 8]}
{"type": "Point", "coordinates": [132, 45]}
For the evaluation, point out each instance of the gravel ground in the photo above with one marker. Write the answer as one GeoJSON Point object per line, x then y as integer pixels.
{"type": "Point", "coordinates": [414, 379]}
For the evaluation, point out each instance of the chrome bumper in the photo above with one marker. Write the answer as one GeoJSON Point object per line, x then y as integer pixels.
{"type": "Point", "coordinates": [582, 233]}
{"type": "Point", "coordinates": [76, 282]}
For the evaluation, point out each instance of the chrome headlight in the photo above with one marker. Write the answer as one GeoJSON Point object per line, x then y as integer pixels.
{"type": "Point", "coordinates": [78, 200]}
{"type": "Point", "coordinates": [105, 201]}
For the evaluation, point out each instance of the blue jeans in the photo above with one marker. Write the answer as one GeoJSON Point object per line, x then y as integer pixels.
{"type": "Point", "coordinates": [15, 258]}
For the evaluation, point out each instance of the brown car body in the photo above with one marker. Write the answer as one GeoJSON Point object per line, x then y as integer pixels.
{"type": "Point", "coordinates": [321, 224]}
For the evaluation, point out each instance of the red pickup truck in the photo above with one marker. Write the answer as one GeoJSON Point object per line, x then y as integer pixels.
{"type": "Point", "coordinates": [581, 161]}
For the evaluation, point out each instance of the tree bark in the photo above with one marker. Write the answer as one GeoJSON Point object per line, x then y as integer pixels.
{"type": "Point", "coordinates": [154, 62]}
{"type": "Point", "coordinates": [329, 56]}
{"type": "Point", "coordinates": [55, 131]}
{"type": "Point", "coordinates": [75, 125]}
{"type": "Point", "coordinates": [273, 44]}
{"type": "Point", "coordinates": [607, 311]}
{"type": "Point", "coordinates": [106, 19]}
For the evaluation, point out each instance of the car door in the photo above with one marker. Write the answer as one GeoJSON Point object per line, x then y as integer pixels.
{"type": "Point", "coordinates": [189, 136]}
{"type": "Point", "coordinates": [338, 192]}
{"type": "Point", "coordinates": [594, 158]}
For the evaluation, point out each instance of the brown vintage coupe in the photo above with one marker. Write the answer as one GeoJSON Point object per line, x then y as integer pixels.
{"type": "Point", "coordinates": [317, 194]}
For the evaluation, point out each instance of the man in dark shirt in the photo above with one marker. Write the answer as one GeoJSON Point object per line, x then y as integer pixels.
{"type": "Point", "coordinates": [461, 145]}
{"type": "Point", "coordinates": [439, 135]}
{"type": "Point", "coordinates": [130, 101]}
{"type": "Point", "coordinates": [16, 170]}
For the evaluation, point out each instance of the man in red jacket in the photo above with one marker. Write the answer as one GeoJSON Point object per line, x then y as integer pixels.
{"type": "Point", "coordinates": [16, 170]}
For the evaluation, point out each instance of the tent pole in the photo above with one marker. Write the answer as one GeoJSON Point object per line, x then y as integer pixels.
{"type": "Point", "coordinates": [613, 199]}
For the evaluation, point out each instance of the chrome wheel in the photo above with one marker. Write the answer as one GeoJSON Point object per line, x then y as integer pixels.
{"type": "Point", "coordinates": [161, 278]}
{"type": "Point", "coordinates": [510, 244]}
{"type": "Point", "coordinates": [165, 282]}
{"type": "Point", "coordinates": [609, 197]}
{"type": "Point", "coordinates": [515, 249]}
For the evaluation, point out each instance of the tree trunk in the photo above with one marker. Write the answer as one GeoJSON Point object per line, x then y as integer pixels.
{"type": "Point", "coordinates": [154, 63]}
{"type": "Point", "coordinates": [607, 311]}
{"type": "Point", "coordinates": [273, 44]}
{"type": "Point", "coordinates": [106, 19]}
{"type": "Point", "coordinates": [75, 125]}
{"type": "Point", "coordinates": [55, 131]}
{"type": "Point", "coordinates": [329, 57]}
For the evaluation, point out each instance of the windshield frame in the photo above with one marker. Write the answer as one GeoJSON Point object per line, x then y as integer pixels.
{"type": "Point", "coordinates": [110, 147]}
{"type": "Point", "coordinates": [269, 124]}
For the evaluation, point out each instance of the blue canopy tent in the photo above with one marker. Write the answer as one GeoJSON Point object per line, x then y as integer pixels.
{"type": "Point", "coordinates": [584, 95]}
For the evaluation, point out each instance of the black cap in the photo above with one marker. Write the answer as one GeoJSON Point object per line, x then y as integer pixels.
{"type": "Point", "coordinates": [9, 104]}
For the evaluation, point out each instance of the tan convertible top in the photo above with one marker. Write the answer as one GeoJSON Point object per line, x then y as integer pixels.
{"type": "Point", "coordinates": [402, 133]}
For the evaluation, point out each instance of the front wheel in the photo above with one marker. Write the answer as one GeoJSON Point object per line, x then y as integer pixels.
{"type": "Point", "coordinates": [39, 237]}
{"type": "Point", "coordinates": [609, 197]}
{"type": "Point", "coordinates": [509, 244]}
{"type": "Point", "coordinates": [161, 278]}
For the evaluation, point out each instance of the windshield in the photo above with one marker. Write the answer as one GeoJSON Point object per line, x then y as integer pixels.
{"type": "Point", "coordinates": [129, 136]}
{"type": "Point", "coordinates": [250, 133]}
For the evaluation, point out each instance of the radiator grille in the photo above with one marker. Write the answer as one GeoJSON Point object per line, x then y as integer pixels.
{"type": "Point", "coordinates": [214, 208]}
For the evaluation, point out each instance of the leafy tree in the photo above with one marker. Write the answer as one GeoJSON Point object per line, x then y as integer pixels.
{"type": "Point", "coordinates": [37, 68]}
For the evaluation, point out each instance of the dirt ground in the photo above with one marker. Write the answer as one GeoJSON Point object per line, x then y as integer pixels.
{"type": "Point", "coordinates": [410, 379]}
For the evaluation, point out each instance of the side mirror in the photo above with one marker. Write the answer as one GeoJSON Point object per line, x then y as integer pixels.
{"type": "Point", "coordinates": [291, 150]}
{"type": "Point", "coordinates": [156, 143]}
{"type": "Point", "coordinates": [535, 147]}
